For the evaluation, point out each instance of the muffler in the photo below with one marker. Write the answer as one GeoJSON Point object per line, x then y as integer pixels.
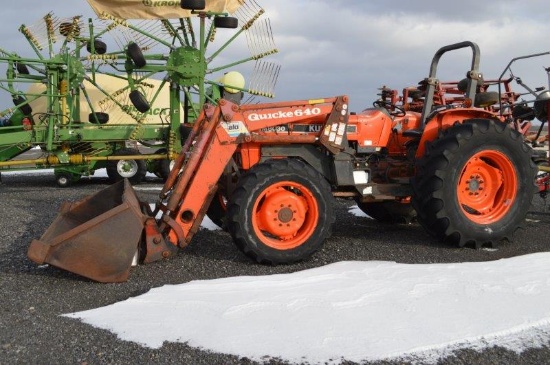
{"type": "Point", "coordinates": [96, 237]}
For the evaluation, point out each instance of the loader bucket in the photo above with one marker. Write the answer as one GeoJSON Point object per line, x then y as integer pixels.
{"type": "Point", "coordinates": [96, 237]}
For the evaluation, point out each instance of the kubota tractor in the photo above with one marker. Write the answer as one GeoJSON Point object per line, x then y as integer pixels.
{"type": "Point", "coordinates": [467, 176]}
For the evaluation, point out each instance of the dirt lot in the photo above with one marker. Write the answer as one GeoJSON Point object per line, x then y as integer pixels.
{"type": "Point", "coordinates": [34, 297]}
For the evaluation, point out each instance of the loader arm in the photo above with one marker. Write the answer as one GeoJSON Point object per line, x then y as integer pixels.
{"type": "Point", "coordinates": [192, 183]}
{"type": "Point", "coordinates": [216, 136]}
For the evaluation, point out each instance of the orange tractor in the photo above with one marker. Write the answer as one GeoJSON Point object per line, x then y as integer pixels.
{"type": "Point", "coordinates": [272, 170]}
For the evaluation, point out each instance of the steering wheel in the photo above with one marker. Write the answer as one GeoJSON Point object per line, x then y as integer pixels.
{"type": "Point", "coordinates": [397, 110]}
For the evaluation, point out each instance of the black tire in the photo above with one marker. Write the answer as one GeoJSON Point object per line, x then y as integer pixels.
{"type": "Point", "coordinates": [474, 184]}
{"type": "Point", "coordinates": [99, 46]}
{"type": "Point", "coordinates": [139, 101]}
{"type": "Point", "coordinates": [541, 106]}
{"type": "Point", "coordinates": [523, 112]}
{"type": "Point", "coordinates": [193, 4]}
{"type": "Point", "coordinates": [486, 99]}
{"type": "Point", "coordinates": [64, 179]}
{"type": "Point", "coordinates": [462, 85]}
{"type": "Point", "coordinates": [22, 68]}
{"type": "Point", "coordinates": [227, 22]}
{"type": "Point", "coordinates": [25, 109]}
{"type": "Point", "coordinates": [133, 170]}
{"type": "Point", "coordinates": [416, 94]}
{"type": "Point", "coordinates": [98, 117]}
{"type": "Point", "coordinates": [163, 167]}
{"type": "Point", "coordinates": [217, 211]}
{"type": "Point", "coordinates": [389, 211]}
{"type": "Point", "coordinates": [269, 234]}
{"type": "Point", "coordinates": [136, 55]}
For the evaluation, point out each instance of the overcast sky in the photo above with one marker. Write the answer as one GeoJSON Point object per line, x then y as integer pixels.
{"type": "Point", "coordinates": [353, 47]}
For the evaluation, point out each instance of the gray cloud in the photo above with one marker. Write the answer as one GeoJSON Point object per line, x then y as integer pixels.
{"type": "Point", "coordinates": [354, 47]}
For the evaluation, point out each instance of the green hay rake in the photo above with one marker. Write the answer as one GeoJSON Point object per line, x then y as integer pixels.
{"type": "Point", "coordinates": [82, 107]}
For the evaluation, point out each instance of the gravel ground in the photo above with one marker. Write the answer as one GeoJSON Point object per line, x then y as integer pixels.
{"type": "Point", "coordinates": [33, 298]}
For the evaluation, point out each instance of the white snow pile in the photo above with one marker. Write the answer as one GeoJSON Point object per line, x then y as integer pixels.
{"type": "Point", "coordinates": [348, 310]}
{"type": "Point", "coordinates": [356, 211]}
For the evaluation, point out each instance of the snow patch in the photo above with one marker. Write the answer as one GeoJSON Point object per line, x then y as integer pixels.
{"type": "Point", "coordinates": [348, 310]}
{"type": "Point", "coordinates": [356, 211]}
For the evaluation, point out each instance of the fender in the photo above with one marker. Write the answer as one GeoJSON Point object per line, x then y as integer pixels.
{"type": "Point", "coordinates": [446, 119]}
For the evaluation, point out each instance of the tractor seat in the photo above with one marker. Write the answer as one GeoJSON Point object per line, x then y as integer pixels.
{"type": "Point", "coordinates": [486, 99]}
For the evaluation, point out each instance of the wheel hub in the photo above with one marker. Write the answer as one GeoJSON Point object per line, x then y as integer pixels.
{"type": "Point", "coordinates": [477, 195]}
{"type": "Point", "coordinates": [127, 168]}
{"type": "Point", "coordinates": [487, 186]}
{"type": "Point", "coordinates": [282, 214]}
{"type": "Point", "coordinates": [285, 215]}
{"type": "Point", "coordinates": [475, 185]}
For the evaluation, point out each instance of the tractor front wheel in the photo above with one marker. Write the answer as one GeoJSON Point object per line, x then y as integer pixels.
{"type": "Point", "coordinates": [281, 212]}
{"type": "Point", "coordinates": [475, 183]}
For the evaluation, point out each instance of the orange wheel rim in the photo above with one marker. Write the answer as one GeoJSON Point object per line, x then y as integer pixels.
{"type": "Point", "coordinates": [487, 187]}
{"type": "Point", "coordinates": [285, 215]}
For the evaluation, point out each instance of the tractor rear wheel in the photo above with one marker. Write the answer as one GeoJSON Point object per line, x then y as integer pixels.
{"type": "Point", "coordinates": [389, 211]}
{"type": "Point", "coordinates": [281, 212]}
{"type": "Point", "coordinates": [475, 183]}
{"type": "Point", "coordinates": [217, 211]}
{"type": "Point", "coordinates": [133, 170]}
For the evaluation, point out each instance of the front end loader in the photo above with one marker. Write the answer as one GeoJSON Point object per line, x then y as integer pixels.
{"type": "Point", "coordinates": [465, 174]}
{"type": "Point", "coordinates": [81, 237]}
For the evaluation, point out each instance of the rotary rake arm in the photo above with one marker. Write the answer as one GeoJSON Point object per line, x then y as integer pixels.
{"type": "Point", "coordinates": [187, 59]}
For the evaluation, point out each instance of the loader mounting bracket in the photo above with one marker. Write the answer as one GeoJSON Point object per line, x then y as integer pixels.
{"type": "Point", "coordinates": [155, 246]}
